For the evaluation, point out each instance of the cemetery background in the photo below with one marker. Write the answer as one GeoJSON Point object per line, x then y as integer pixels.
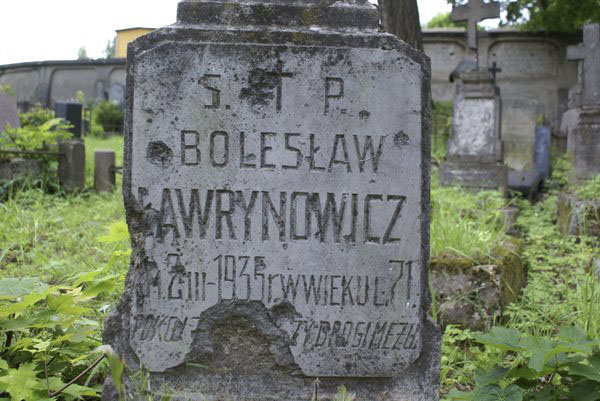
{"type": "Point", "coordinates": [66, 256]}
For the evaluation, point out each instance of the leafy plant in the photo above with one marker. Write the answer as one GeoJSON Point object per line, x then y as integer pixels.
{"type": "Point", "coordinates": [565, 367]}
{"type": "Point", "coordinates": [36, 117]}
{"type": "Point", "coordinates": [52, 332]}
{"type": "Point", "coordinates": [5, 88]}
{"type": "Point", "coordinates": [109, 116]}
{"type": "Point", "coordinates": [32, 137]}
{"type": "Point", "coordinates": [590, 190]}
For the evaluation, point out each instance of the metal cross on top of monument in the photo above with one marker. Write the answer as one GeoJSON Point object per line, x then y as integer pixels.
{"type": "Point", "coordinates": [473, 12]}
{"type": "Point", "coordinates": [589, 53]}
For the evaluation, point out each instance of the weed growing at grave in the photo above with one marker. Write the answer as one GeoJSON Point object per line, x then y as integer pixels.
{"type": "Point", "coordinates": [560, 293]}
{"type": "Point", "coordinates": [35, 137]}
{"type": "Point", "coordinates": [564, 367]}
{"type": "Point", "coordinates": [590, 190]}
{"type": "Point", "coordinates": [440, 130]}
{"type": "Point", "coordinates": [50, 331]}
{"type": "Point", "coordinates": [466, 225]}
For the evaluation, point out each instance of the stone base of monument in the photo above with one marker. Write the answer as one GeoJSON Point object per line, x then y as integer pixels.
{"type": "Point", "coordinates": [578, 217]}
{"type": "Point", "coordinates": [527, 183]}
{"type": "Point", "coordinates": [475, 176]}
{"type": "Point", "coordinates": [19, 168]}
{"type": "Point", "coordinates": [473, 296]}
{"type": "Point", "coordinates": [584, 145]}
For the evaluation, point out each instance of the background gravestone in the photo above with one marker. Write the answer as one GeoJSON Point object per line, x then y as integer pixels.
{"type": "Point", "coordinates": [583, 142]}
{"type": "Point", "coordinates": [276, 189]}
{"type": "Point", "coordinates": [71, 112]}
{"type": "Point", "coordinates": [474, 148]}
{"type": "Point", "coordinates": [518, 133]}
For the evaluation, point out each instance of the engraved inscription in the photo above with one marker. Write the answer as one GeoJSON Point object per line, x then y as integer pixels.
{"type": "Point", "coordinates": [281, 183]}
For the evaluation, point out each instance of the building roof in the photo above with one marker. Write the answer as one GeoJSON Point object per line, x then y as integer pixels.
{"type": "Point", "coordinates": [137, 27]}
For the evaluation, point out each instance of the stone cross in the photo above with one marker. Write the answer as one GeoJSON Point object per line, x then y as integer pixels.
{"type": "Point", "coordinates": [474, 12]}
{"type": "Point", "coordinates": [589, 53]}
{"type": "Point", "coordinates": [494, 70]}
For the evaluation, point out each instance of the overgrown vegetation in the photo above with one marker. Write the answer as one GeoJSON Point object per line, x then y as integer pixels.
{"type": "Point", "coordinates": [58, 280]}
{"type": "Point", "coordinates": [548, 15]}
{"type": "Point", "coordinates": [109, 116]}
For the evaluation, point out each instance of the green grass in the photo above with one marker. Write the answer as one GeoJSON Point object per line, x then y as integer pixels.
{"type": "Point", "coordinates": [54, 237]}
{"type": "Point", "coordinates": [464, 224]}
{"type": "Point", "coordinates": [92, 144]}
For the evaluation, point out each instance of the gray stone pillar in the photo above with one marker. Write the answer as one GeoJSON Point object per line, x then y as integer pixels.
{"type": "Point", "coordinates": [584, 145]}
{"type": "Point", "coordinates": [71, 165]}
{"type": "Point", "coordinates": [104, 170]}
{"type": "Point", "coordinates": [474, 158]}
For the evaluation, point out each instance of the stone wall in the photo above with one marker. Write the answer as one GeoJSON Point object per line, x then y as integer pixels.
{"type": "Point", "coordinates": [535, 70]}
{"type": "Point", "coordinates": [47, 82]}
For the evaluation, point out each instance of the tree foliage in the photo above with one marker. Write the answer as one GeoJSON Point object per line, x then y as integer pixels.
{"type": "Point", "coordinates": [82, 54]}
{"type": "Point", "coordinates": [548, 15]}
{"type": "Point", "coordinates": [444, 20]}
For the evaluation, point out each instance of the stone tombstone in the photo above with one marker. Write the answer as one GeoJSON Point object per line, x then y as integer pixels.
{"type": "Point", "coordinates": [276, 188]}
{"type": "Point", "coordinates": [474, 149]}
{"type": "Point", "coordinates": [583, 142]}
{"type": "Point", "coordinates": [8, 111]}
{"type": "Point", "coordinates": [588, 53]}
{"type": "Point", "coordinates": [117, 94]}
{"type": "Point", "coordinates": [518, 133]}
{"type": "Point", "coordinates": [543, 148]}
{"type": "Point", "coordinates": [72, 113]}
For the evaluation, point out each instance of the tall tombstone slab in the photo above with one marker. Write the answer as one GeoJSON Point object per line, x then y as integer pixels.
{"type": "Point", "coordinates": [276, 182]}
{"type": "Point", "coordinates": [583, 142]}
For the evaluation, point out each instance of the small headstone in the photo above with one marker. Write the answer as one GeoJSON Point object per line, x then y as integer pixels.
{"type": "Point", "coordinates": [543, 147]}
{"type": "Point", "coordinates": [8, 111]}
{"type": "Point", "coordinates": [276, 187]}
{"type": "Point", "coordinates": [71, 112]}
{"type": "Point", "coordinates": [584, 139]}
{"type": "Point", "coordinates": [71, 165]}
{"type": "Point", "coordinates": [104, 170]}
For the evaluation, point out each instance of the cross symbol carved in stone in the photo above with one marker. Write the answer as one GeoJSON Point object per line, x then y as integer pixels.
{"type": "Point", "coordinates": [473, 12]}
{"type": "Point", "coordinates": [494, 70]}
{"type": "Point", "coordinates": [589, 52]}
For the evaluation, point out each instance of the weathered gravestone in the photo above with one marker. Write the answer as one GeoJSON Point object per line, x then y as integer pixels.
{"type": "Point", "coordinates": [584, 140]}
{"type": "Point", "coordinates": [72, 113]}
{"type": "Point", "coordinates": [276, 189]}
{"type": "Point", "coordinates": [474, 149]}
{"type": "Point", "coordinates": [8, 112]}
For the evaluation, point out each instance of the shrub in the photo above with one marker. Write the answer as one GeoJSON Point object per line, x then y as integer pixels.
{"type": "Point", "coordinates": [36, 117]}
{"type": "Point", "coordinates": [109, 116]}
